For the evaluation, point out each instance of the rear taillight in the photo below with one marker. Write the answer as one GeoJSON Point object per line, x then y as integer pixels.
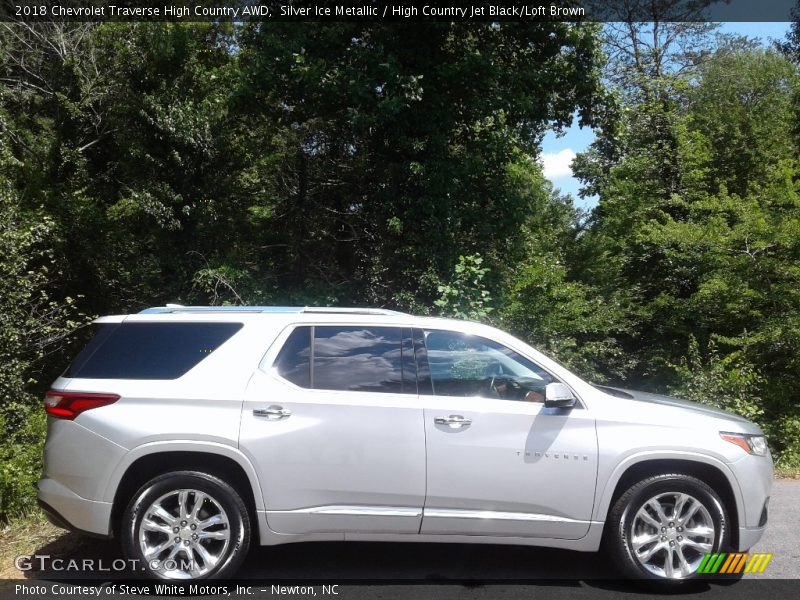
{"type": "Point", "coordinates": [68, 405]}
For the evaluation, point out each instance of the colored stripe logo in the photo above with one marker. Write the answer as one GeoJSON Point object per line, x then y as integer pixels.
{"type": "Point", "coordinates": [734, 562]}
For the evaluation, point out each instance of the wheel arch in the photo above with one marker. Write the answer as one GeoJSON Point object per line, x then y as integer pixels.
{"type": "Point", "coordinates": [151, 460]}
{"type": "Point", "coordinates": [712, 472]}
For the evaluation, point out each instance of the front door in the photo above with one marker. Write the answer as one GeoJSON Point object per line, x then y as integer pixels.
{"type": "Point", "coordinates": [334, 425]}
{"type": "Point", "coordinates": [499, 462]}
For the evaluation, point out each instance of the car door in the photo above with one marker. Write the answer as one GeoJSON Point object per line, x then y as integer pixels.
{"type": "Point", "coordinates": [333, 422]}
{"type": "Point", "coordinates": [498, 462]}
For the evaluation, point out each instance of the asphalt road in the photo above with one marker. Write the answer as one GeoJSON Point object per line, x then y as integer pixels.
{"type": "Point", "coordinates": [419, 571]}
{"type": "Point", "coordinates": [782, 536]}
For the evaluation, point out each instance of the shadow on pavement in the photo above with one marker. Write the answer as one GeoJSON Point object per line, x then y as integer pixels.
{"type": "Point", "coordinates": [459, 566]}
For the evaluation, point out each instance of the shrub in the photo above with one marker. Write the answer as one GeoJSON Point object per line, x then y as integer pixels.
{"type": "Point", "coordinates": [466, 296]}
{"type": "Point", "coordinates": [32, 326]}
{"type": "Point", "coordinates": [21, 460]}
{"type": "Point", "coordinates": [723, 381]}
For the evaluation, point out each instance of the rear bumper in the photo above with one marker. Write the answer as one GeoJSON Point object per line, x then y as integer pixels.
{"type": "Point", "coordinates": [64, 508]}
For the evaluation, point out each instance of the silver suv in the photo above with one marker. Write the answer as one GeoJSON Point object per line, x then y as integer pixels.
{"type": "Point", "coordinates": [191, 432]}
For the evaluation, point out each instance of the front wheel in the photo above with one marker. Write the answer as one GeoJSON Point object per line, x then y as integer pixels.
{"type": "Point", "coordinates": [663, 526]}
{"type": "Point", "coordinates": [186, 525]}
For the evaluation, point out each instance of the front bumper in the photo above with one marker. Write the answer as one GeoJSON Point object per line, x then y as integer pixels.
{"type": "Point", "coordinates": [748, 537]}
{"type": "Point", "coordinates": [64, 508]}
{"type": "Point", "coordinates": [754, 475]}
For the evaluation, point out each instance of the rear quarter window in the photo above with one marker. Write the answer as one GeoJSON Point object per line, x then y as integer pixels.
{"type": "Point", "coordinates": [149, 350]}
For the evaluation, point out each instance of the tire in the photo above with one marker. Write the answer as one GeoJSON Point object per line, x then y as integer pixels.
{"type": "Point", "coordinates": [629, 531]}
{"type": "Point", "coordinates": [205, 541]}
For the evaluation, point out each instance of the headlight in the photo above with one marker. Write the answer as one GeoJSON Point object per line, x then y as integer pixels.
{"type": "Point", "coordinates": [758, 443]}
{"type": "Point", "coordinates": [752, 444]}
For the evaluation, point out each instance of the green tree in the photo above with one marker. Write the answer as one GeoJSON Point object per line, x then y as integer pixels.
{"type": "Point", "coordinates": [791, 45]}
{"type": "Point", "coordinates": [544, 303]}
{"type": "Point", "coordinates": [318, 162]}
{"type": "Point", "coordinates": [708, 248]}
{"type": "Point", "coordinates": [394, 143]}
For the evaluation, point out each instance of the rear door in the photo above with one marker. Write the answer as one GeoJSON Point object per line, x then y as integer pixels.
{"type": "Point", "coordinates": [333, 422]}
{"type": "Point", "coordinates": [499, 462]}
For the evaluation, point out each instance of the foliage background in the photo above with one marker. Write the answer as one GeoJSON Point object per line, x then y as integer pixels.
{"type": "Point", "coordinates": [395, 165]}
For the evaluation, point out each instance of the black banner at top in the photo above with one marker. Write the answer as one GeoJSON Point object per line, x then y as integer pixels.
{"type": "Point", "coordinates": [397, 11]}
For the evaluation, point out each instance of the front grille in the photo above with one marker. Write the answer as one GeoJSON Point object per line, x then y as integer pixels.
{"type": "Point", "coordinates": [763, 520]}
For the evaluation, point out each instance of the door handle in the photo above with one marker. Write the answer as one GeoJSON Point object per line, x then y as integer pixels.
{"type": "Point", "coordinates": [273, 413]}
{"type": "Point", "coordinates": [454, 421]}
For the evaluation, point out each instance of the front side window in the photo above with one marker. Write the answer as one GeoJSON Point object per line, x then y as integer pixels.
{"type": "Point", "coordinates": [469, 365]}
{"type": "Point", "coordinates": [348, 358]}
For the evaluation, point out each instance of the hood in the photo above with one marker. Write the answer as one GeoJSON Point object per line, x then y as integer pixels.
{"type": "Point", "coordinates": [670, 401]}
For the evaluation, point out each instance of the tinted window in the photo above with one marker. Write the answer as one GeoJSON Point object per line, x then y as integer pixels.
{"type": "Point", "coordinates": [294, 360]}
{"type": "Point", "coordinates": [468, 365]}
{"type": "Point", "coordinates": [149, 350]}
{"type": "Point", "coordinates": [363, 359]}
{"type": "Point", "coordinates": [102, 331]}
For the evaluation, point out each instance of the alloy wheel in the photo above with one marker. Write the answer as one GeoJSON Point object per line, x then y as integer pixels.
{"type": "Point", "coordinates": [670, 534]}
{"type": "Point", "coordinates": [184, 534]}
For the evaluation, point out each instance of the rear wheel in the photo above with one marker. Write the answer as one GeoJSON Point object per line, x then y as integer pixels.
{"type": "Point", "coordinates": [662, 527]}
{"type": "Point", "coordinates": [186, 525]}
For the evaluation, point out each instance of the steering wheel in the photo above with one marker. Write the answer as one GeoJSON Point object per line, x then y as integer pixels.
{"type": "Point", "coordinates": [508, 384]}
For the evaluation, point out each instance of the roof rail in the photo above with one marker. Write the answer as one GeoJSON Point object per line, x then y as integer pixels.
{"type": "Point", "coordinates": [173, 308]}
{"type": "Point", "coordinates": [350, 311]}
{"type": "Point", "coordinates": [176, 308]}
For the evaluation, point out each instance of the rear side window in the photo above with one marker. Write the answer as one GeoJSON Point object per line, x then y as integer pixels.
{"type": "Point", "coordinates": [349, 358]}
{"type": "Point", "coordinates": [294, 359]}
{"type": "Point", "coordinates": [149, 350]}
{"type": "Point", "coordinates": [360, 359]}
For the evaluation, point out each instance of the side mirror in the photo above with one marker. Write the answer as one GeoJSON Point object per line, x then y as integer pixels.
{"type": "Point", "coordinates": [558, 395]}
